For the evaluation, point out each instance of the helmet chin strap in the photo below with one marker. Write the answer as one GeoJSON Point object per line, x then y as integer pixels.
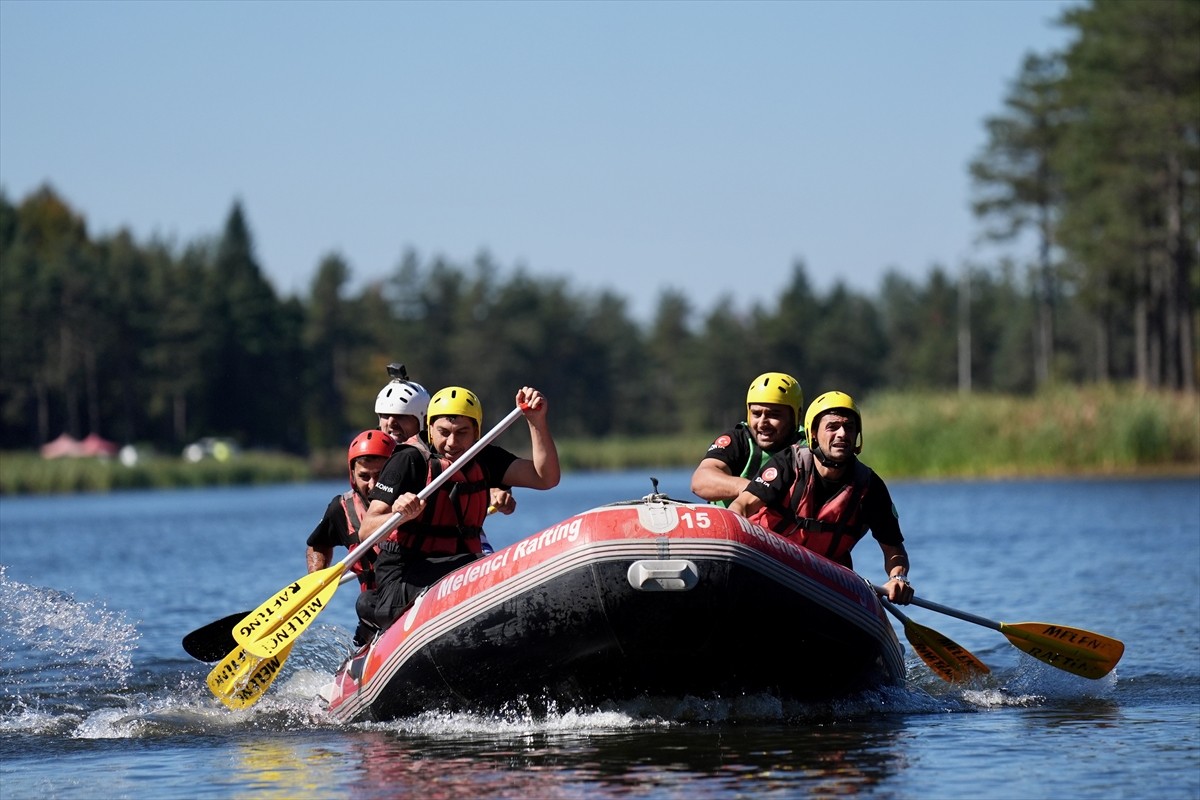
{"type": "Point", "coordinates": [825, 460]}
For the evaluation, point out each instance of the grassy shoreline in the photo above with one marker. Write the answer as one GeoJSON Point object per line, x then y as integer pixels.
{"type": "Point", "coordinates": [1098, 431]}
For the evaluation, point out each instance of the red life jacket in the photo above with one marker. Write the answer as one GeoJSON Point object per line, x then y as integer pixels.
{"type": "Point", "coordinates": [831, 530]}
{"type": "Point", "coordinates": [364, 568]}
{"type": "Point", "coordinates": [452, 521]}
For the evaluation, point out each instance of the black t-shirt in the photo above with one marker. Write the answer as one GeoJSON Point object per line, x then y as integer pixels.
{"type": "Point", "coordinates": [734, 447]}
{"type": "Point", "coordinates": [878, 512]}
{"type": "Point", "coordinates": [332, 530]}
{"type": "Point", "coordinates": [406, 471]}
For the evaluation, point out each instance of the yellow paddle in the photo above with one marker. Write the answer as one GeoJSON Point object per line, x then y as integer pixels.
{"type": "Point", "coordinates": [950, 660]}
{"type": "Point", "coordinates": [1074, 650]}
{"type": "Point", "coordinates": [268, 629]}
{"type": "Point", "coordinates": [240, 678]}
{"type": "Point", "coordinates": [214, 641]}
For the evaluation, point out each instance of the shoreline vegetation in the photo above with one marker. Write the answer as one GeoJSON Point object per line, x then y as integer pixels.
{"type": "Point", "coordinates": [1097, 431]}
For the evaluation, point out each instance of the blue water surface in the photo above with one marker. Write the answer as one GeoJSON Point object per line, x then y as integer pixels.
{"type": "Point", "coordinates": [99, 700]}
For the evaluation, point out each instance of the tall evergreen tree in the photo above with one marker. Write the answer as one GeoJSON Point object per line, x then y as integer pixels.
{"type": "Point", "coordinates": [1017, 186]}
{"type": "Point", "coordinates": [252, 379]}
{"type": "Point", "coordinates": [671, 349]}
{"type": "Point", "coordinates": [1131, 161]}
{"type": "Point", "coordinates": [329, 337]}
{"type": "Point", "coordinates": [785, 333]}
{"type": "Point", "coordinates": [126, 304]}
{"type": "Point", "coordinates": [732, 359]}
{"type": "Point", "coordinates": [178, 360]}
{"type": "Point", "coordinates": [46, 277]}
{"type": "Point", "coordinates": [616, 377]}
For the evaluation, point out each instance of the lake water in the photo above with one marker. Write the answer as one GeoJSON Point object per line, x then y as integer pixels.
{"type": "Point", "coordinates": [100, 700]}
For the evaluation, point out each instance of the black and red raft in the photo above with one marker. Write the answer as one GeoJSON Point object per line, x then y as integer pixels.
{"type": "Point", "coordinates": [646, 598]}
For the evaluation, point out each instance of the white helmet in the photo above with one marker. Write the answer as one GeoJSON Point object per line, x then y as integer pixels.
{"type": "Point", "coordinates": [402, 396]}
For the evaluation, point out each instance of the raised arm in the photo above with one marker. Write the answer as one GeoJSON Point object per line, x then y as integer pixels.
{"type": "Point", "coordinates": [542, 471]}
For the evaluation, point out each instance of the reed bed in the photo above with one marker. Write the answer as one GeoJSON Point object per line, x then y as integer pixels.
{"type": "Point", "coordinates": [1102, 430]}
{"type": "Point", "coordinates": [28, 473]}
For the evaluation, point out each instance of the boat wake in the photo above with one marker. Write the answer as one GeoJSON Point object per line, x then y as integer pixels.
{"type": "Point", "coordinates": [67, 669]}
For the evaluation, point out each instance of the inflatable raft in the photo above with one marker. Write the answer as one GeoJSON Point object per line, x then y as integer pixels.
{"type": "Point", "coordinates": [652, 597]}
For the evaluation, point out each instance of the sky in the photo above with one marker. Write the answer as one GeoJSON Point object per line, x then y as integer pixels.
{"type": "Point", "coordinates": [635, 147]}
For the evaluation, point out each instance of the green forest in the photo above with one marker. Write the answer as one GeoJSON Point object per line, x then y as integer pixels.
{"type": "Point", "coordinates": [1095, 154]}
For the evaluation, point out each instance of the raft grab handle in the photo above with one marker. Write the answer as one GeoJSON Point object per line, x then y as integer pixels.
{"type": "Point", "coordinates": [675, 575]}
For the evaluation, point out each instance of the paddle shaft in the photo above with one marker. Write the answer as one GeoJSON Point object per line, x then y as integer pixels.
{"type": "Point", "coordinates": [897, 613]}
{"type": "Point", "coordinates": [954, 612]}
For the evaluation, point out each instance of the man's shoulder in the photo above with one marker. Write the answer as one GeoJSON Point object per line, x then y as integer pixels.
{"type": "Point", "coordinates": [737, 436]}
{"type": "Point", "coordinates": [406, 453]}
{"type": "Point", "coordinates": [494, 453]}
{"type": "Point", "coordinates": [411, 448]}
{"type": "Point", "coordinates": [796, 451]}
{"type": "Point", "coordinates": [871, 475]}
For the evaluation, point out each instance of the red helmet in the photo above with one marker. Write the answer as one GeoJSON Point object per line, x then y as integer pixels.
{"type": "Point", "coordinates": [370, 443]}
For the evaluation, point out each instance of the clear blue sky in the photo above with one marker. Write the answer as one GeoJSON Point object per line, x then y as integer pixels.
{"type": "Point", "coordinates": [702, 146]}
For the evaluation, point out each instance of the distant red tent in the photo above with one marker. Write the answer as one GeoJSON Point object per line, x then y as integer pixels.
{"type": "Point", "coordinates": [64, 445]}
{"type": "Point", "coordinates": [94, 445]}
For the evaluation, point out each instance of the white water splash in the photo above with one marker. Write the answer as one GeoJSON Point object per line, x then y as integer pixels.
{"type": "Point", "coordinates": [80, 638]}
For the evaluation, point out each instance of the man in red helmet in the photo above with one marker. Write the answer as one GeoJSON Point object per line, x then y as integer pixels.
{"type": "Point", "coordinates": [365, 458]}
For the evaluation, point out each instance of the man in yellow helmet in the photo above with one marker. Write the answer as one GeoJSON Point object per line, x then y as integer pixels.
{"type": "Point", "coordinates": [773, 404]}
{"type": "Point", "coordinates": [441, 534]}
{"type": "Point", "coordinates": [402, 405]}
{"type": "Point", "coordinates": [824, 498]}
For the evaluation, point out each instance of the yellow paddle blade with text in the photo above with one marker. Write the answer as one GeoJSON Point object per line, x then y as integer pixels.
{"type": "Point", "coordinates": [947, 658]}
{"type": "Point", "coordinates": [1074, 650]}
{"type": "Point", "coordinates": [275, 624]}
{"type": "Point", "coordinates": [241, 678]}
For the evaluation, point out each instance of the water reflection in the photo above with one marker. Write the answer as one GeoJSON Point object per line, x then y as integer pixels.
{"type": "Point", "coordinates": [661, 760]}
{"type": "Point", "coordinates": [286, 768]}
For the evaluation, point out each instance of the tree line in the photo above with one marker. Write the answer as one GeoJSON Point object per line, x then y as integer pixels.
{"type": "Point", "coordinates": [1096, 154]}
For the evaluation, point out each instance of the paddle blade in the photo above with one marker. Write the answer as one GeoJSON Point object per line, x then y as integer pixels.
{"type": "Point", "coordinates": [241, 678]}
{"type": "Point", "coordinates": [948, 659]}
{"type": "Point", "coordinates": [1074, 650]}
{"type": "Point", "coordinates": [214, 640]}
{"type": "Point", "coordinates": [277, 622]}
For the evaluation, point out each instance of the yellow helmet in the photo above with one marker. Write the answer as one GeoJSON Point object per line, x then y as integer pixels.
{"type": "Point", "coordinates": [455, 401]}
{"type": "Point", "coordinates": [831, 401]}
{"type": "Point", "coordinates": [777, 388]}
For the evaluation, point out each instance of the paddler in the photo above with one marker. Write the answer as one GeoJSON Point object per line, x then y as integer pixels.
{"type": "Point", "coordinates": [824, 498]}
{"type": "Point", "coordinates": [437, 537]}
{"type": "Point", "coordinates": [340, 525]}
{"type": "Point", "coordinates": [401, 405]}
{"type": "Point", "coordinates": [773, 403]}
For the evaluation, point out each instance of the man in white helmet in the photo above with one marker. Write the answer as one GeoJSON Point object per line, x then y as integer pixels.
{"type": "Point", "coordinates": [401, 405]}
